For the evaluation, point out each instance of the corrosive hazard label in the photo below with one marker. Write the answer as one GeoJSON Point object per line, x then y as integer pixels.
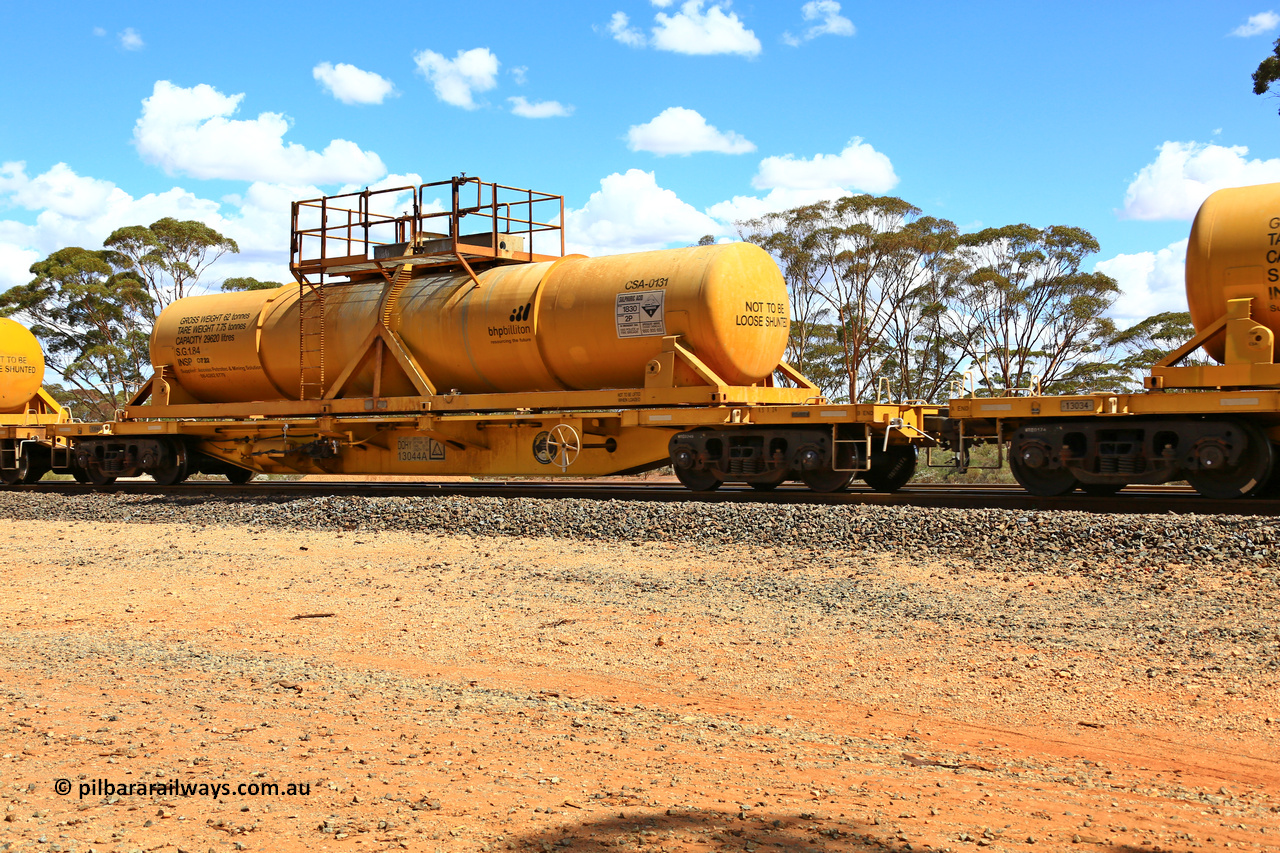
{"type": "Point", "coordinates": [640, 314]}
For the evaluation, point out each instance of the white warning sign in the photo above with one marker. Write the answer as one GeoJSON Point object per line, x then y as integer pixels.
{"type": "Point", "coordinates": [640, 314]}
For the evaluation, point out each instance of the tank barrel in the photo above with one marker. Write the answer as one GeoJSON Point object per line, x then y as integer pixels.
{"type": "Point", "coordinates": [572, 323]}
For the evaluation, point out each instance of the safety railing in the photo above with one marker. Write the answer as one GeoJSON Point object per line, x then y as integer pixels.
{"type": "Point", "coordinates": [476, 218]}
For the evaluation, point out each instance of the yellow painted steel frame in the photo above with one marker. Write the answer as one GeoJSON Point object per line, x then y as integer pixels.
{"type": "Point", "coordinates": [163, 400]}
{"type": "Point", "coordinates": [41, 409]}
{"type": "Point", "coordinates": [1248, 383]}
{"type": "Point", "coordinates": [36, 422]}
{"type": "Point", "coordinates": [360, 437]}
{"type": "Point", "coordinates": [1262, 407]}
{"type": "Point", "coordinates": [1248, 355]}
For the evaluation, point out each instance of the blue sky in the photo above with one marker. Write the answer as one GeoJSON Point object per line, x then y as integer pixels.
{"type": "Point", "coordinates": [659, 122]}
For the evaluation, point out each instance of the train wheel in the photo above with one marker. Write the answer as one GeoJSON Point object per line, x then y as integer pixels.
{"type": "Point", "coordinates": [1249, 475]}
{"type": "Point", "coordinates": [1029, 466]}
{"type": "Point", "coordinates": [240, 476]}
{"type": "Point", "coordinates": [175, 473]}
{"type": "Point", "coordinates": [697, 481]}
{"type": "Point", "coordinates": [1101, 490]}
{"type": "Point", "coordinates": [826, 479]}
{"type": "Point", "coordinates": [770, 485]}
{"type": "Point", "coordinates": [80, 475]}
{"type": "Point", "coordinates": [891, 469]}
{"type": "Point", "coordinates": [95, 477]}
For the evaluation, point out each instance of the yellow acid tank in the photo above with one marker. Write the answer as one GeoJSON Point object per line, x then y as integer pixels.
{"type": "Point", "coordinates": [1234, 251]}
{"type": "Point", "coordinates": [571, 324]}
{"type": "Point", "coordinates": [21, 366]}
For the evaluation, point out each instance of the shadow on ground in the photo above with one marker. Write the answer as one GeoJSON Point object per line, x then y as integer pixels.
{"type": "Point", "coordinates": [706, 830]}
{"type": "Point", "coordinates": [693, 829]}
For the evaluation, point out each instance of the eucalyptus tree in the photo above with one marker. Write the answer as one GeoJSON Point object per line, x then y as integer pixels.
{"type": "Point", "coordinates": [169, 256]}
{"type": "Point", "coordinates": [811, 341]}
{"type": "Point", "coordinates": [93, 322]}
{"type": "Point", "coordinates": [1268, 71]}
{"type": "Point", "coordinates": [1025, 309]}
{"type": "Point", "coordinates": [919, 359]}
{"type": "Point", "coordinates": [248, 283]}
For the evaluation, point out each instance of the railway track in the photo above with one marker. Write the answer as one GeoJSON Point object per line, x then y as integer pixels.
{"type": "Point", "coordinates": [1133, 500]}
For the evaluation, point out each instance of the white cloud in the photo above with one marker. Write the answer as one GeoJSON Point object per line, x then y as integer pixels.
{"type": "Point", "coordinates": [99, 32]}
{"type": "Point", "coordinates": [1257, 24]}
{"type": "Point", "coordinates": [794, 182]}
{"type": "Point", "coordinates": [352, 85]}
{"type": "Point", "coordinates": [859, 166]}
{"type": "Point", "coordinates": [15, 263]}
{"type": "Point", "coordinates": [830, 22]}
{"type": "Point", "coordinates": [59, 190]}
{"type": "Point", "coordinates": [662, 4]}
{"type": "Point", "coordinates": [189, 131]}
{"type": "Point", "coordinates": [621, 30]}
{"type": "Point", "coordinates": [677, 130]}
{"type": "Point", "coordinates": [130, 40]}
{"type": "Point", "coordinates": [693, 31]}
{"type": "Point", "coordinates": [538, 109]}
{"type": "Point", "coordinates": [631, 213]}
{"type": "Point", "coordinates": [74, 210]}
{"type": "Point", "coordinates": [520, 72]}
{"type": "Point", "coordinates": [1185, 173]}
{"type": "Point", "coordinates": [743, 207]}
{"type": "Point", "coordinates": [1150, 282]}
{"type": "Point", "coordinates": [455, 80]}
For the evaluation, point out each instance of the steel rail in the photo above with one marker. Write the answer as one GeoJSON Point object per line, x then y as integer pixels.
{"type": "Point", "coordinates": [1133, 500]}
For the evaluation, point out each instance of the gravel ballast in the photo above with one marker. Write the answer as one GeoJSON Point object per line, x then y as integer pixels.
{"type": "Point", "coordinates": [1065, 538]}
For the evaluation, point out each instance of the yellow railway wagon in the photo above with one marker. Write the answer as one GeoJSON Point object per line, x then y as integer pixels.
{"type": "Point", "coordinates": [1214, 425]}
{"type": "Point", "coordinates": [441, 344]}
{"type": "Point", "coordinates": [27, 412]}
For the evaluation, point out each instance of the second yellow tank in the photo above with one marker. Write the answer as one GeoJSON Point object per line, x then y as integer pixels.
{"type": "Point", "coordinates": [1234, 251]}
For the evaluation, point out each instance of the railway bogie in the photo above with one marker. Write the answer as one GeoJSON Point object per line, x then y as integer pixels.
{"type": "Point", "coordinates": [825, 460]}
{"type": "Point", "coordinates": [1226, 444]}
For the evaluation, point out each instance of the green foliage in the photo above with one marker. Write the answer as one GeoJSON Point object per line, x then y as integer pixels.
{"type": "Point", "coordinates": [1024, 309]}
{"type": "Point", "coordinates": [246, 283]}
{"type": "Point", "coordinates": [168, 256]}
{"type": "Point", "coordinates": [93, 321]}
{"type": "Point", "coordinates": [879, 293]}
{"type": "Point", "coordinates": [1268, 71]}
